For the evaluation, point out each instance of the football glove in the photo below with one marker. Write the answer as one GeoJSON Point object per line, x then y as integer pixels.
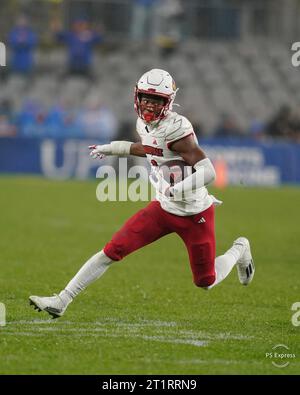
{"type": "Point", "coordinates": [100, 151]}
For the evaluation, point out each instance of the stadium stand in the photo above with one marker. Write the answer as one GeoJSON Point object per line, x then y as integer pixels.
{"type": "Point", "coordinates": [249, 78]}
{"type": "Point", "coordinates": [224, 78]}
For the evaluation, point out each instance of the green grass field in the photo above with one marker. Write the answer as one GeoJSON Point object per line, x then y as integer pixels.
{"type": "Point", "coordinates": [144, 316]}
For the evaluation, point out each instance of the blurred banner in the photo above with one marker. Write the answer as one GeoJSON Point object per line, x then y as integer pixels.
{"type": "Point", "coordinates": [237, 162]}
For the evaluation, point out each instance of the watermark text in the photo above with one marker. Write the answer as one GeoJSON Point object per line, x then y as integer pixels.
{"type": "Point", "coordinates": [296, 316]}
{"type": "Point", "coordinates": [296, 56]}
{"type": "Point", "coordinates": [2, 55]}
{"type": "Point", "coordinates": [2, 314]}
{"type": "Point", "coordinates": [131, 183]}
{"type": "Point", "coordinates": [280, 356]}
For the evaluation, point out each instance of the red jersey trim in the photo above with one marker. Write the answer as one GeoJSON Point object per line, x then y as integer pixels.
{"type": "Point", "coordinates": [153, 150]}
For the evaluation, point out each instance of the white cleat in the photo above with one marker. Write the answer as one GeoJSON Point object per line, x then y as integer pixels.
{"type": "Point", "coordinates": [53, 305]}
{"type": "Point", "coordinates": [245, 265]}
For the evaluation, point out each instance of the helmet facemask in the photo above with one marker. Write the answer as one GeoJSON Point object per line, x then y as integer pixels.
{"type": "Point", "coordinates": [155, 110]}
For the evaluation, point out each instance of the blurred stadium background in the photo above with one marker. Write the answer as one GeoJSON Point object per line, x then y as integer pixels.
{"type": "Point", "coordinates": [71, 67]}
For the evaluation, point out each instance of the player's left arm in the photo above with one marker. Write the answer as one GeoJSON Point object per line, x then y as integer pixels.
{"type": "Point", "coordinates": [204, 173]}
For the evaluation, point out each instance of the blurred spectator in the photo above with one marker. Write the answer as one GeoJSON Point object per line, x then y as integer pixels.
{"type": "Point", "coordinates": [143, 20]}
{"type": "Point", "coordinates": [281, 125]}
{"type": "Point", "coordinates": [168, 33]}
{"type": "Point", "coordinates": [22, 40]}
{"type": "Point", "coordinates": [6, 108]}
{"type": "Point", "coordinates": [7, 127]}
{"type": "Point", "coordinates": [256, 129]}
{"type": "Point", "coordinates": [257, 126]}
{"type": "Point", "coordinates": [62, 121]}
{"type": "Point", "coordinates": [98, 121]}
{"type": "Point", "coordinates": [228, 127]}
{"type": "Point", "coordinates": [295, 135]}
{"type": "Point", "coordinates": [30, 119]}
{"type": "Point", "coordinates": [80, 41]}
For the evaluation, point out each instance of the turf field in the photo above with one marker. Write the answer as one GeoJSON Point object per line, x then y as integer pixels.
{"type": "Point", "coordinates": [144, 316]}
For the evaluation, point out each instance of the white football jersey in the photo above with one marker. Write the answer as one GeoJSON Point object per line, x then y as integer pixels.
{"type": "Point", "coordinates": [157, 139]}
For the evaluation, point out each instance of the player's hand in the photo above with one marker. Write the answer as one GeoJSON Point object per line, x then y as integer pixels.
{"type": "Point", "coordinates": [100, 151]}
{"type": "Point", "coordinates": [160, 184]}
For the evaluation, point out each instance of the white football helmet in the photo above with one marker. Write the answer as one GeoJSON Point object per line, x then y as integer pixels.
{"type": "Point", "coordinates": [156, 82]}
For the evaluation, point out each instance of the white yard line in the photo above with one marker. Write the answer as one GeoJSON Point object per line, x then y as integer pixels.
{"type": "Point", "coordinates": [192, 342]}
{"type": "Point", "coordinates": [115, 327]}
{"type": "Point", "coordinates": [219, 336]}
{"type": "Point", "coordinates": [160, 331]}
{"type": "Point", "coordinates": [106, 322]}
{"type": "Point", "coordinates": [170, 328]}
{"type": "Point", "coordinates": [193, 336]}
{"type": "Point", "coordinates": [98, 333]}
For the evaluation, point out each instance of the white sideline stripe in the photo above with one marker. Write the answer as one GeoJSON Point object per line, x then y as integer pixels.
{"type": "Point", "coordinates": [117, 326]}
{"type": "Point", "coordinates": [38, 322]}
{"type": "Point", "coordinates": [192, 342]}
{"type": "Point", "coordinates": [106, 322]}
{"type": "Point", "coordinates": [220, 336]}
{"type": "Point", "coordinates": [197, 343]}
{"type": "Point", "coordinates": [138, 323]}
{"type": "Point", "coordinates": [192, 335]}
{"type": "Point", "coordinates": [168, 324]}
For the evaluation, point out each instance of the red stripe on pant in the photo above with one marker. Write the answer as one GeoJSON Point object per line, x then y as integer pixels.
{"type": "Point", "coordinates": [152, 223]}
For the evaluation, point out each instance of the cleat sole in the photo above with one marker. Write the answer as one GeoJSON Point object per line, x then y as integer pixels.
{"type": "Point", "coordinates": [31, 303]}
{"type": "Point", "coordinates": [52, 313]}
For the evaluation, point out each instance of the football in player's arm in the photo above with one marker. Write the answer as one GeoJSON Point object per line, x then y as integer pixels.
{"type": "Point", "coordinates": [184, 207]}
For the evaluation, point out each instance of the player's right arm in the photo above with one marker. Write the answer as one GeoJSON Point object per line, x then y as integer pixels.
{"type": "Point", "coordinates": [119, 148]}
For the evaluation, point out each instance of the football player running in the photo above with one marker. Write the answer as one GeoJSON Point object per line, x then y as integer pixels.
{"type": "Point", "coordinates": [185, 208]}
